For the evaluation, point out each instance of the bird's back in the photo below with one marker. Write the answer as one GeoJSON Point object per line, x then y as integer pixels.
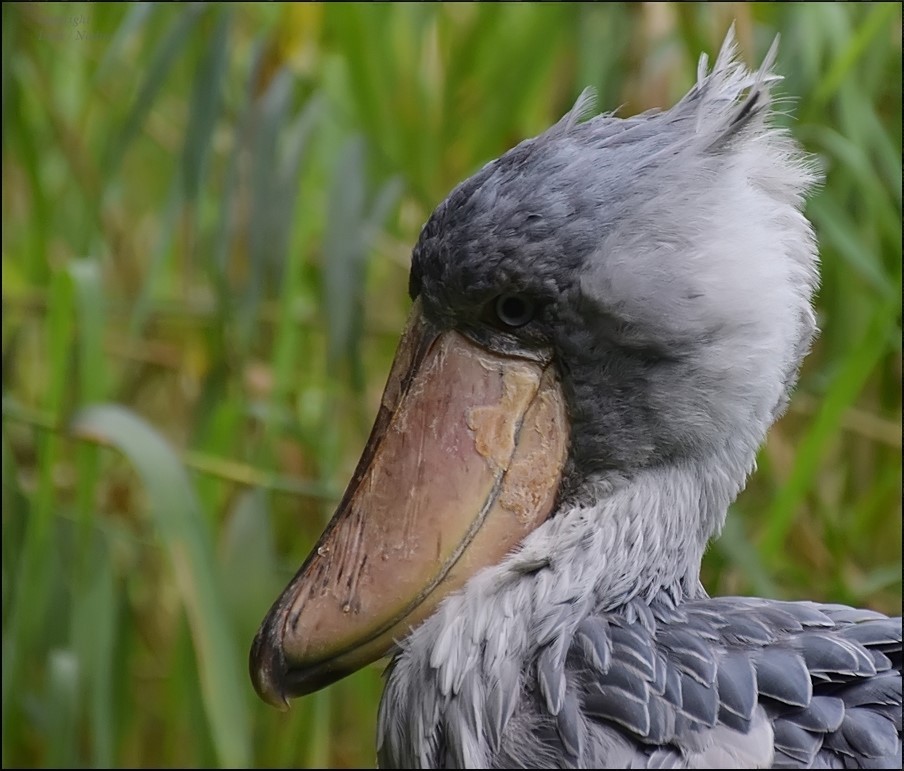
{"type": "Point", "coordinates": [717, 683]}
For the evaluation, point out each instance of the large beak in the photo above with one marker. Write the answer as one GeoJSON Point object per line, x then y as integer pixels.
{"type": "Point", "coordinates": [464, 460]}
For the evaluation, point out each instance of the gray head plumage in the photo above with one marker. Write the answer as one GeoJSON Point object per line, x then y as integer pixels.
{"type": "Point", "coordinates": [670, 256]}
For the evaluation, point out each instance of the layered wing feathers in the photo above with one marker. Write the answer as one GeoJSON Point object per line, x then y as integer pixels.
{"type": "Point", "coordinates": [824, 681]}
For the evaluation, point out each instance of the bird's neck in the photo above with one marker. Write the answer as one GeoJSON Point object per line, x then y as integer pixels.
{"type": "Point", "coordinates": [637, 537]}
{"type": "Point", "coordinates": [623, 543]}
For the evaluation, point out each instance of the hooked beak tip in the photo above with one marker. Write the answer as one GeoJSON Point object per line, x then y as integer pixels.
{"type": "Point", "coordinates": [268, 670]}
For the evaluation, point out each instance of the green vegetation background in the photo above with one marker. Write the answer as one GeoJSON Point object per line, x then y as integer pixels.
{"type": "Point", "coordinates": [207, 219]}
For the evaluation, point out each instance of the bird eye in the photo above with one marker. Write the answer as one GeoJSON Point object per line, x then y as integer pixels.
{"type": "Point", "coordinates": [514, 310]}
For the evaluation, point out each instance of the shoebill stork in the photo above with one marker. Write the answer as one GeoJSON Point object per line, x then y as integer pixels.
{"type": "Point", "coordinates": [606, 321]}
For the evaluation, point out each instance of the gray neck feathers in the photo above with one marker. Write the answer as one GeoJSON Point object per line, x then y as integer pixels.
{"type": "Point", "coordinates": [632, 541]}
{"type": "Point", "coordinates": [635, 538]}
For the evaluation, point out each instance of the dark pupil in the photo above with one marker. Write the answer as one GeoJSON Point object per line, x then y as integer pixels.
{"type": "Point", "coordinates": [513, 310]}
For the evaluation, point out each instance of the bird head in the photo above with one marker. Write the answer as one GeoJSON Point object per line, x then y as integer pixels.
{"type": "Point", "coordinates": [610, 296]}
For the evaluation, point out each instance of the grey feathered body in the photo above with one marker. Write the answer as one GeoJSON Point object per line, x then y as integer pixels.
{"type": "Point", "coordinates": [528, 669]}
{"type": "Point", "coordinates": [727, 682]}
{"type": "Point", "coordinates": [673, 270]}
{"type": "Point", "coordinates": [720, 683]}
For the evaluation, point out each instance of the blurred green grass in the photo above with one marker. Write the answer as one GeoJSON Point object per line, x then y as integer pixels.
{"type": "Point", "coordinates": [207, 219]}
